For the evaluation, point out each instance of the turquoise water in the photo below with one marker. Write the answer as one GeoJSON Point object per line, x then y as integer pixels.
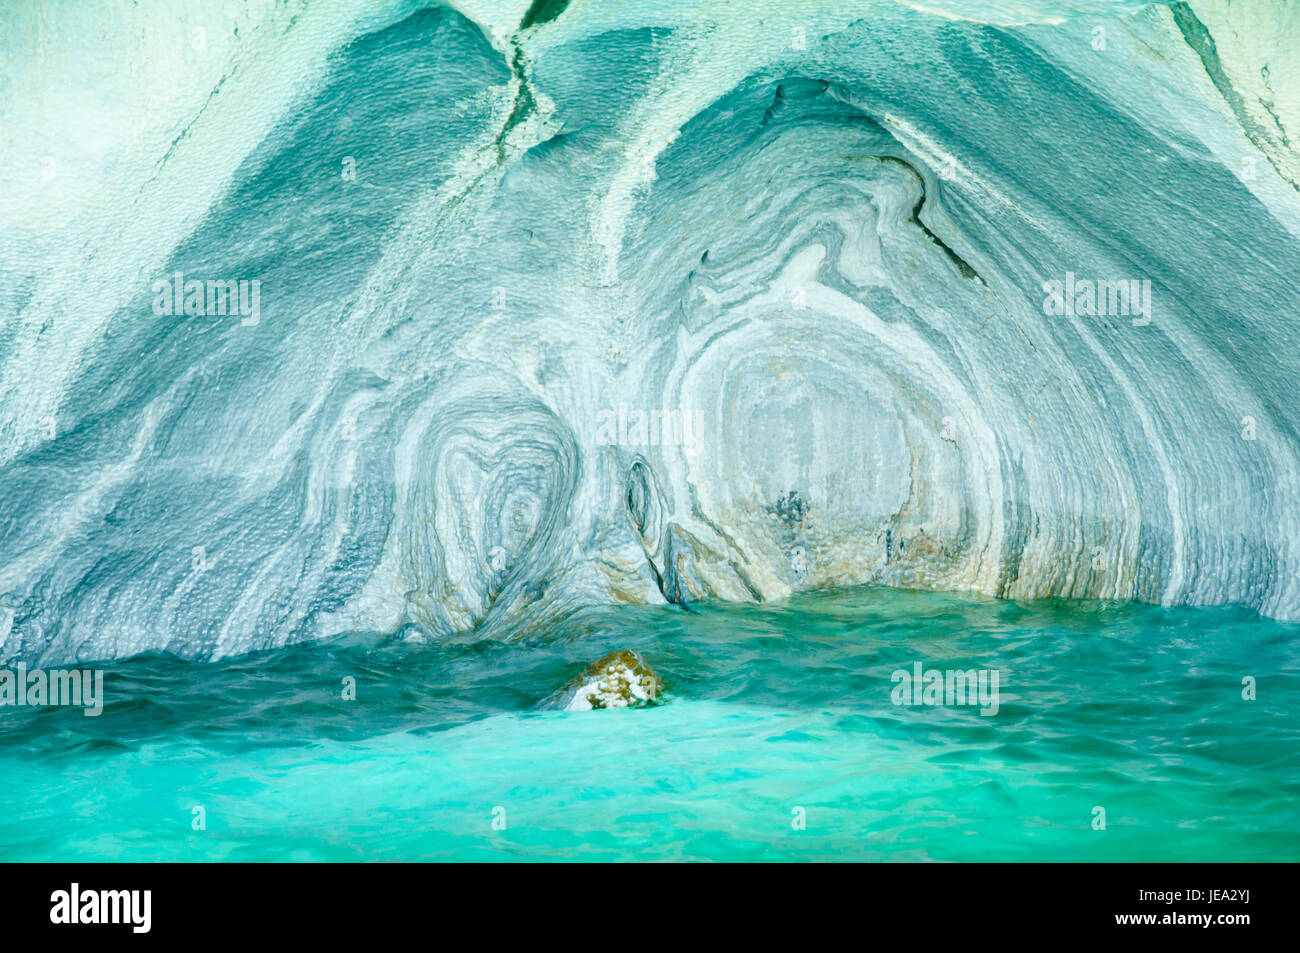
{"type": "Point", "coordinates": [770, 709]}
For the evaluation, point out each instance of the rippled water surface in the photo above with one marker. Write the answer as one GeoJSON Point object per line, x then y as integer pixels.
{"type": "Point", "coordinates": [1134, 709]}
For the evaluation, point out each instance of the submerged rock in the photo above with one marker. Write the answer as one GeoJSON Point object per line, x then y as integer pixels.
{"type": "Point", "coordinates": [619, 680]}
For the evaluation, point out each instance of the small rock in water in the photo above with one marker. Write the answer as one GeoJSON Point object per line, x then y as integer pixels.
{"type": "Point", "coordinates": [619, 680]}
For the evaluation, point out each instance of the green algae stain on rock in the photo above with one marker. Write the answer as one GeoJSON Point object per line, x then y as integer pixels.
{"type": "Point", "coordinates": [542, 11]}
